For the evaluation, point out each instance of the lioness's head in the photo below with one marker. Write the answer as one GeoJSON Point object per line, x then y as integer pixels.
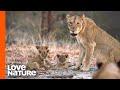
{"type": "Point", "coordinates": [75, 24]}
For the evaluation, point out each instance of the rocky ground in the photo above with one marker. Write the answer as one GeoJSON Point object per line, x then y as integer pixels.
{"type": "Point", "coordinates": [59, 74]}
{"type": "Point", "coordinates": [21, 53]}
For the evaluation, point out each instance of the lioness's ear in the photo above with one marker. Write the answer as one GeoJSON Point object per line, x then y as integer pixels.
{"type": "Point", "coordinates": [67, 16]}
{"type": "Point", "coordinates": [118, 64]}
{"type": "Point", "coordinates": [83, 16]}
{"type": "Point", "coordinates": [99, 65]}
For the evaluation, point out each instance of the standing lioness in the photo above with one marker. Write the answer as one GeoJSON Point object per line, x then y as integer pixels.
{"type": "Point", "coordinates": [93, 41]}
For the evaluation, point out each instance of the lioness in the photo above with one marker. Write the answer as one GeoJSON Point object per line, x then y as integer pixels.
{"type": "Point", "coordinates": [108, 71]}
{"type": "Point", "coordinates": [93, 41]}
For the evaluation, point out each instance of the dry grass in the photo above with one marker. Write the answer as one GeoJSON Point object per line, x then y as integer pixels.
{"type": "Point", "coordinates": [22, 39]}
{"type": "Point", "coordinates": [24, 48]}
{"type": "Point", "coordinates": [22, 53]}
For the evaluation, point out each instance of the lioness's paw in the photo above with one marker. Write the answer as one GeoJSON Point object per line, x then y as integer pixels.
{"type": "Point", "coordinates": [78, 68]}
{"type": "Point", "coordinates": [83, 68]}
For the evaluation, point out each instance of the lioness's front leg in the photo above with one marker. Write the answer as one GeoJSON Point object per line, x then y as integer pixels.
{"type": "Point", "coordinates": [89, 49]}
{"type": "Point", "coordinates": [81, 56]}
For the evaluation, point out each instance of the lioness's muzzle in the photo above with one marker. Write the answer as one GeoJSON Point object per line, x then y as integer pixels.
{"type": "Point", "coordinates": [73, 34]}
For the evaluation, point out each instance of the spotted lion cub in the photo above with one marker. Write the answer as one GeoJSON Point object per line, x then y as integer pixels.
{"type": "Point", "coordinates": [108, 71]}
{"type": "Point", "coordinates": [39, 61]}
{"type": "Point", "coordinates": [62, 62]}
{"type": "Point", "coordinates": [43, 51]}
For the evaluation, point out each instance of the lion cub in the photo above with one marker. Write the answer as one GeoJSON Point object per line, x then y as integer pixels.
{"type": "Point", "coordinates": [61, 62]}
{"type": "Point", "coordinates": [39, 61]}
{"type": "Point", "coordinates": [108, 71]}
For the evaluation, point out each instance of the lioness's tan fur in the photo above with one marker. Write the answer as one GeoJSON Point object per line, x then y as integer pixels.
{"type": "Point", "coordinates": [93, 41]}
{"type": "Point", "coordinates": [108, 71]}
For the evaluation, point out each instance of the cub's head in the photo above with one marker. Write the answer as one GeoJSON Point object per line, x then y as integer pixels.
{"type": "Point", "coordinates": [62, 58]}
{"type": "Point", "coordinates": [39, 48]}
{"type": "Point", "coordinates": [75, 24]}
{"type": "Point", "coordinates": [43, 51]}
{"type": "Point", "coordinates": [108, 71]}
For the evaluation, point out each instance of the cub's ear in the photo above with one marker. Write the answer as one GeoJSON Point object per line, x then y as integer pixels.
{"type": "Point", "coordinates": [118, 64]}
{"type": "Point", "coordinates": [46, 47]}
{"type": "Point", "coordinates": [58, 55]}
{"type": "Point", "coordinates": [67, 16]}
{"type": "Point", "coordinates": [37, 47]}
{"type": "Point", "coordinates": [40, 51]}
{"type": "Point", "coordinates": [47, 51]}
{"type": "Point", "coordinates": [99, 65]}
{"type": "Point", "coordinates": [66, 55]}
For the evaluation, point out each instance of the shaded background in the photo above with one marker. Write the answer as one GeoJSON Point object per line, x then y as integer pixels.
{"type": "Point", "coordinates": [37, 27]}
